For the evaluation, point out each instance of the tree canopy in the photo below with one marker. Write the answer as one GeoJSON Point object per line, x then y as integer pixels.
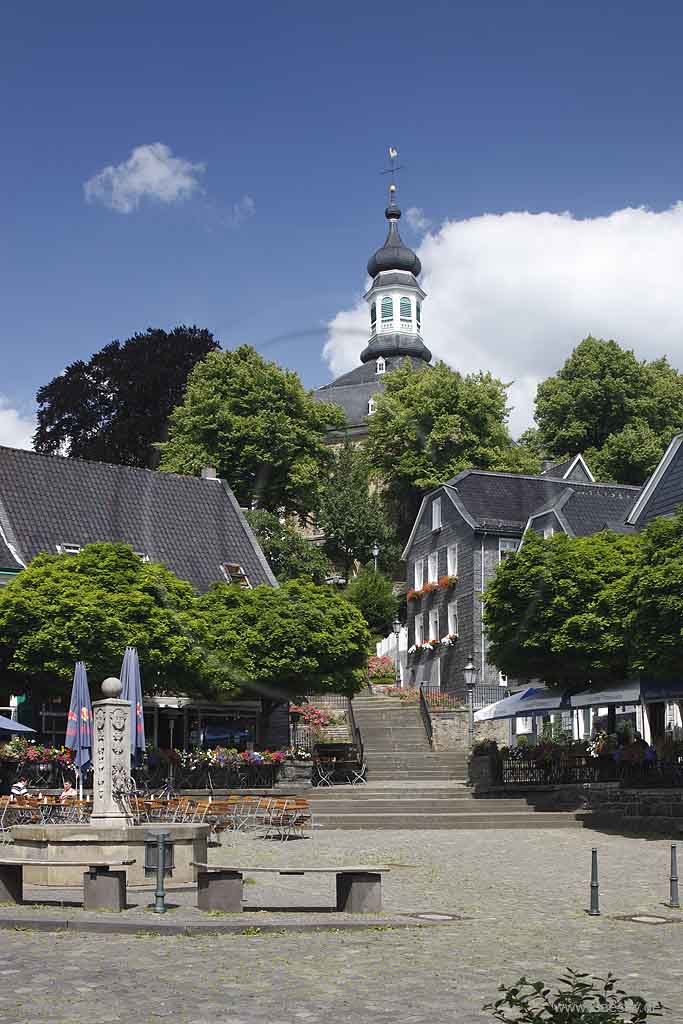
{"type": "Point", "coordinates": [290, 555]}
{"type": "Point", "coordinates": [373, 595]}
{"type": "Point", "coordinates": [90, 606]}
{"type": "Point", "coordinates": [352, 515]}
{"type": "Point", "coordinates": [432, 422]}
{"type": "Point", "coordinates": [557, 609]}
{"type": "Point", "coordinates": [655, 620]}
{"type": "Point", "coordinates": [281, 642]}
{"type": "Point", "coordinates": [618, 411]}
{"type": "Point", "coordinates": [257, 425]}
{"type": "Point", "coordinates": [115, 406]}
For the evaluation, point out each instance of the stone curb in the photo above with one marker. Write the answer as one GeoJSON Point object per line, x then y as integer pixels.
{"type": "Point", "coordinates": [162, 928]}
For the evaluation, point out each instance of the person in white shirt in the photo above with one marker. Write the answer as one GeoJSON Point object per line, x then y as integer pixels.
{"type": "Point", "coordinates": [20, 787]}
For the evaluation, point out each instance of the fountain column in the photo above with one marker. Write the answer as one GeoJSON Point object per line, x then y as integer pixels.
{"type": "Point", "coordinates": [111, 758]}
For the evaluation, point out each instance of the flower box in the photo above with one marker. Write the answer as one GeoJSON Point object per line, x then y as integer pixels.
{"type": "Point", "coordinates": [447, 581]}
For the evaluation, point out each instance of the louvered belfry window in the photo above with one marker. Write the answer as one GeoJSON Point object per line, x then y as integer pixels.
{"type": "Point", "coordinates": [406, 309]}
{"type": "Point", "coordinates": [387, 308]}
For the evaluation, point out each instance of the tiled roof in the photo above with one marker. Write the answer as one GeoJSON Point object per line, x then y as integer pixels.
{"type": "Point", "coordinates": [513, 497]}
{"type": "Point", "coordinates": [189, 524]}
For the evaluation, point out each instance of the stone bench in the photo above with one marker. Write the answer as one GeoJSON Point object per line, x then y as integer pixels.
{"type": "Point", "coordinates": [103, 889]}
{"type": "Point", "coordinates": [359, 888]}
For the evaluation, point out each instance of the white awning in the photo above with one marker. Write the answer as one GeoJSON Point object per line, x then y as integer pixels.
{"type": "Point", "coordinates": [627, 692]}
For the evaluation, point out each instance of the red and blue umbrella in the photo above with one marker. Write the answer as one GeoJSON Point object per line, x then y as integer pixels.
{"type": "Point", "coordinates": [131, 689]}
{"type": "Point", "coordinates": [79, 721]}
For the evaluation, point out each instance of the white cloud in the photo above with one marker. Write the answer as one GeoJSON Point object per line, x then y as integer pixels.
{"type": "Point", "coordinates": [515, 292]}
{"type": "Point", "coordinates": [16, 431]}
{"type": "Point", "coordinates": [417, 219]}
{"type": "Point", "coordinates": [151, 171]}
{"type": "Point", "coordinates": [242, 210]}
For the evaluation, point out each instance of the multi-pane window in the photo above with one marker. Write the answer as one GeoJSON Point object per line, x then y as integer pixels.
{"type": "Point", "coordinates": [453, 617]}
{"type": "Point", "coordinates": [373, 314]}
{"type": "Point", "coordinates": [452, 560]}
{"type": "Point", "coordinates": [387, 308]}
{"type": "Point", "coordinates": [405, 308]}
{"type": "Point", "coordinates": [371, 406]}
{"type": "Point", "coordinates": [68, 549]}
{"type": "Point", "coordinates": [380, 365]}
{"type": "Point", "coordinates": [234, 573]}
{"type": "Point", "coordinates": [419, 574]}
{"type": "Point", "coordinates": [506, 547]}
{"type": "Point", "coordinates": [548, 532]}
{"type": "Point", "coordinates": [434, 624]}
{"type": "Point", "coordinates": [436, 514]}
{"type": "Point", "coordinates": [433, 567]}
{"type": "Point", "coordinates": [419, 629]}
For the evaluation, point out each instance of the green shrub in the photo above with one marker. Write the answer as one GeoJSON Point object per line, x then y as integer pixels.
{"type": "Point", "coordinates": [583, 1000]}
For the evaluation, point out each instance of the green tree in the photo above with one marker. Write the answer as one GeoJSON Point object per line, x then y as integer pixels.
{"type": "Point", "coordinates": [430, 424]}
{"type": "Point", "coordinates": [290, 555]}
{"type": "Point", "coordinates": [90, 606]}
{"type": "Point", "coordinates": [556, 611]}
{"type": "Point", "coordinates": [257, 425]}
{"type": "Point", "coordinates": [655, 606]}
{"type": "Point", "coordinates": [618, 411]}
{"type": "Point", "coordinates": [352, 516]}
{"type": "Point", "coordinates": [281, 642]}
{"type": "Point", "coordinates": [115, 406]}
{"type": "Point", "coordinates": [373, 595]}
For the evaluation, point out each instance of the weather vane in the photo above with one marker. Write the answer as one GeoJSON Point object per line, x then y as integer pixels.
{"type": "Point", "coordinates": [393, 168]}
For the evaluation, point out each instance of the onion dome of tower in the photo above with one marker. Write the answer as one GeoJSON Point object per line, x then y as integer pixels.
{"type": "Point", "coordinates": [394, 254]}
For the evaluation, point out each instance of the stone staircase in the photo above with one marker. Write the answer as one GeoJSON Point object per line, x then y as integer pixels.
{"type": "Point", "coordinates": [414, 787]}
{"type": "Point", "coordinates": [396, 747]}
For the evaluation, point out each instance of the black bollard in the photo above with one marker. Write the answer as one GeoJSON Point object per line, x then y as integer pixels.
{"type": "Point", "coordinates": [595, 891]}
{"type": "Point", "coordinates": [674, 901]}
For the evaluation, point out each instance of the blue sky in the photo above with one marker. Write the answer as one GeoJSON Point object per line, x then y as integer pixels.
{"type": "Point", "coordinates": [280, 116]}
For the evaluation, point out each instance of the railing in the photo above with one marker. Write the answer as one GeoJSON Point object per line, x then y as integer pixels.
{"type": "Point", "coordinates": [355, 731]}
{"type": "Point", "coordinates": [440, 700]}
{"type": "Point", "coordinates": [426, 715]}
{"type": "Point", "coordinates": [579, 769]}
{"type": "Point", "coordinates": [233, 776]}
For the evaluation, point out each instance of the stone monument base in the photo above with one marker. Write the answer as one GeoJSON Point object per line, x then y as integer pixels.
{"type": "Point", "coordinates": [55, 845]}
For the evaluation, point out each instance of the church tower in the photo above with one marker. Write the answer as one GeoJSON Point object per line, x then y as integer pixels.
{"type": "Point", "coordinates": [395, 301]}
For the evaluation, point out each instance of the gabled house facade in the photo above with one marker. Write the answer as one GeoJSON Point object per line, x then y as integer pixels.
{"type": "Point", "coordinates": [193, 525]}
{"type": "Point", "coordinates": [464, 529]}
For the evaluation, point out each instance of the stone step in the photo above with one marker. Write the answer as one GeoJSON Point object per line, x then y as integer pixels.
{"type": "Point", "coordinates": [352, 805]}
{"type": "Point", "coordinates": [412, 822]}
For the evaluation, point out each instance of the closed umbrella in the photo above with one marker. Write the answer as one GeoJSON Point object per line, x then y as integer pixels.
{"type": "Point", "coordinates": [79, 723]}
{"type": "Point", "coordinates": [131, 689]}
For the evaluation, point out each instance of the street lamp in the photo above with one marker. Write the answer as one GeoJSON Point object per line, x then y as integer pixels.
{"type": "Point", "coordinates": [375, 553]}
{"type": "Point", "coordinates": [396, 627]}
{"type": "Point", "coordinates": [470, 674]}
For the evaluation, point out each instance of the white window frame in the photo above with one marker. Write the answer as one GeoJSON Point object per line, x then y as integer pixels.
{"type": "Point", "coordinates": [433, 567]}
{"type": "Point", "coordinates": [372, 406]}
{"type": "Point", "coordinates": [548, 532]}
{"type": "Point", "coordinates": [453, 618]}
{"type": "Point", "coordinates": [386, 309]}
{"type": "Point", "coordinates": [502, 679]}
{"type": "Point", "coordinates": [504, 548]}
{"type": "Point", "coordinates": [419, 629]}
{"type": "Point", "coordinates": [239, 577]}
{"type": "Point", "coordinates": [436, 513]}
{"type": "Point", "coordinates": [419, 573]}
{"type": "Point", "coordinates": [434, 624]}
{"type": "Point", "coordinates": [381, 365]}
{"type": "Point", "coordinates": [452, 559]}
{"type": "Point", "coordinates": [69, 549]}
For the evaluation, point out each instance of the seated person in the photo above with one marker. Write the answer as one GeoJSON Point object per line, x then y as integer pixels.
{"type": "Point", "coordinates": [20, 787]}
{"type": "Point", "coordinates": [68, 793]}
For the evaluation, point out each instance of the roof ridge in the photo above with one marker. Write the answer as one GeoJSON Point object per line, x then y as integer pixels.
{"type": "Point", "coordinates": [537, 476]}
{"type": "Point", "coordinates": [97, 462]}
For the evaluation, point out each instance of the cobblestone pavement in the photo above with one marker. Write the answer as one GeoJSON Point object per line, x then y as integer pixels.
{"type": "Point", "coordinates": [523, 897]}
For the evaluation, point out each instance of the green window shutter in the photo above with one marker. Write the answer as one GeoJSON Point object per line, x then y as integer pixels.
{"type": "Point", "coordinates": [387, 308]}
{"type": "Point", "coordinates": [406, 312]}
{"type": "Point", "coordinates": [373, 314]}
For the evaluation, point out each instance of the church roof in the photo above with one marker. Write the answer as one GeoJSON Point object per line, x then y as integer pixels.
{"type": "Point", "coordinates": [394, 254]}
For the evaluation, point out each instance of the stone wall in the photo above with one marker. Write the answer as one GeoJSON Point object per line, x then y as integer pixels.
{"type": "Point", "coordinates": [450, 730]}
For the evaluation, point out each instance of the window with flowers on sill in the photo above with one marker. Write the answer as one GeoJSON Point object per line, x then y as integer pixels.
{"type": "Point", "coordinates": [419, 573]}
{"type": "Point", "coordinates": [419, 630]}
{"type": "Point", "coordinates": [434, 624]}
{"type": "Point", "coordinates": [433, 567]}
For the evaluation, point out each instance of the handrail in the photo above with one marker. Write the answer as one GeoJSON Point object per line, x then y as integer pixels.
{"type": "Point", "coordinates": [355, 731]}
{"type": "Point", "coordinates": [426, 715]}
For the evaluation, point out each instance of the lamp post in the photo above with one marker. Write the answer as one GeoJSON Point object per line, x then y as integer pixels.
{"type": "Point", "coordinates": [470, 674]}
{"type": "Point", "coordinates": [375, 553]}
{"type": "Point", "coordinates": [396, 627]}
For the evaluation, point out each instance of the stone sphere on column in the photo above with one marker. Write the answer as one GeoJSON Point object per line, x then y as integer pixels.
{"type": "Point", "coordinates": [112, 687]}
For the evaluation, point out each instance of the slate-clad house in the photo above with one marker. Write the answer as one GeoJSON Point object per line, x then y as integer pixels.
{"type": "Point", "coordinates": [193, 525]}
{"type": "Point", "coordinates": [465, 528]}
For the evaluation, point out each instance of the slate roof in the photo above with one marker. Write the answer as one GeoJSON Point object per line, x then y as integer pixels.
{"type": "Point", "coordinates": [557, 468]}
{"type": "Point", "coordinates": [353, 390]}
{"type": "Point", "coordinates": [508, 499]}
{"type": "Point", "coordinates": [189, 524]}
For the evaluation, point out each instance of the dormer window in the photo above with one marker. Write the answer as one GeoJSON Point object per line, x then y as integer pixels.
{"type": "Point", "coordinates": [380, 365]}
{"type": "Point", "coordinates": [387, 309]}
{"type": "Point", "coordinates": [372, 406]}
{"type": "Point", "coordinates": [234, 573]}
{"type": "Point", "coordinates": [436, 514]}
{"type": "Point", "coordinates": [68, 549]}
{"type": "Point", "coordinates": [405, 309]}
{"type": "Point", "coordinates": [373, 315]}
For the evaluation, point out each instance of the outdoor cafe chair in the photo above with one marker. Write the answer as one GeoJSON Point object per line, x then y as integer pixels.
{"type": "Point", "coordinates": [5, 821]}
